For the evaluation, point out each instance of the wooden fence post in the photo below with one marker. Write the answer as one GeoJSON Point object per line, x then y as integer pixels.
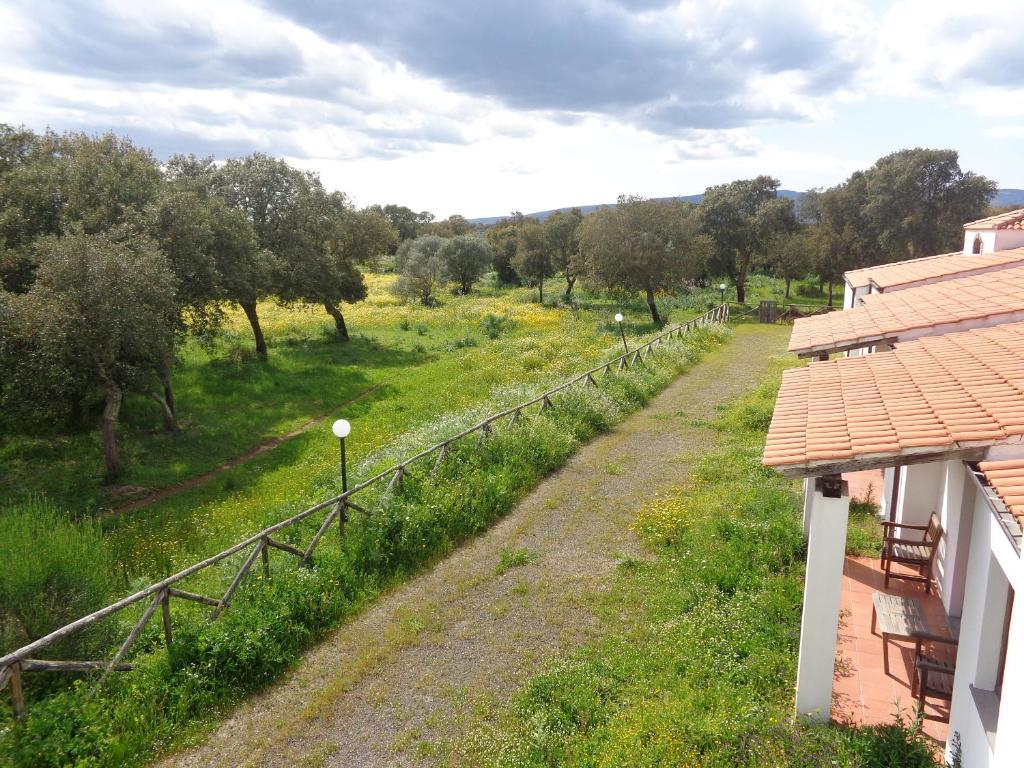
{"type": "Point", "coordinates": [319, 533]}
{"type": "Point", "coordinates": [444, 452]}
{"type": "Point", "coordinates": [397, 479]}
{"type": "Point", "coordinates": [165, 606]}
{"type": "Point", "coordinates": [237, 581]}
{"type": "Point", "coordinates": [342, 519]}
{"type": "Point", "coordinates": [134, 634]}
{"type": "Point", "coordinates": [265, 554]}
{"type": "Point", "coordinates": [17, 693]}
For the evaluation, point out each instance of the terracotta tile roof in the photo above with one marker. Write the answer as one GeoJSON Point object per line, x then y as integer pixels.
{"type": "Point", "coordinates": [933, 396]}
{"type": "Point", "coordinates": [947, 265]}
{"type": "Point", "coordinates": [985, 299]}
{"type": "Point", "coordinates": [1007, 480]}
{"type": "Point", "coordinates": [1008, 220]}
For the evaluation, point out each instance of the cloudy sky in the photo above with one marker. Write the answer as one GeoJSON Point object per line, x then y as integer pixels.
{"type": "Point", "coordinates": [480, 107]}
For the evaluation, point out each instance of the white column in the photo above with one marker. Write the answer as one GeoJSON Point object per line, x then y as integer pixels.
{"type": "Point", "coordinates": [823, 584]}
{"type": "Point", "coordinates": [808, 504]}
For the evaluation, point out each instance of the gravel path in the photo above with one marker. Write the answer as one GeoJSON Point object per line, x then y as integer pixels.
{"type": "Point", "coordinates": [416, 665]}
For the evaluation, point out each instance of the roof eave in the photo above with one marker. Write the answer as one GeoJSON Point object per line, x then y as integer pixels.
{"type": "Point", "coordinates": [975, 450]}
{"type": "Point", "coordinates": [833, 349]}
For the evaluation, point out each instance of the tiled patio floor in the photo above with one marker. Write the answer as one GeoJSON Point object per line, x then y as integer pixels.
{"type": "Point", "coordinates": [863, 693]}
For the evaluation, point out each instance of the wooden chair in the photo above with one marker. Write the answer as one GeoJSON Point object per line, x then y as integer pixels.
{"type": "Point", "coordinates": [933, 676]}
{"type": "Point", "coordinates": [914, 553]}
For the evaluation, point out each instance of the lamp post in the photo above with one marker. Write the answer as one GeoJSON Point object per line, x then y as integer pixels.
{"type": "Point", "coordinates": [341, 429]}
{"type": "Point", "coordinates": [721, 287]}
{"type": "Point", "coordinates": [618, 319]}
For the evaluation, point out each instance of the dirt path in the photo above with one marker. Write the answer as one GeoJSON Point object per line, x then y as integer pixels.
{"type": "Point", "coordinates": [257, 450]}
{"type": "Point", "coordinates": [411, 669]}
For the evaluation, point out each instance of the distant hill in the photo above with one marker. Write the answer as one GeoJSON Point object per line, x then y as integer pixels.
{"type": "Point", "coordinates": [1003, 197]}
{"type": "Point", "coordinates": [1009, 197]}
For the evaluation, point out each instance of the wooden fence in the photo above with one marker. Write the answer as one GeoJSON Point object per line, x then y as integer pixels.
{"type": "Point", "coordinates": [158, 595]}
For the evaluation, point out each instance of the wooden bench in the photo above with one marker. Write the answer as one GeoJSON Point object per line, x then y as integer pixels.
{"type": "Point", "coordinates": [899, 617]}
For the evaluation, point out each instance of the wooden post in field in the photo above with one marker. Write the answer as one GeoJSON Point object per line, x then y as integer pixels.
{"type": "Point", "coordinates": [165, 606]}
{"type": "Point", "coordinates": [17, 693]}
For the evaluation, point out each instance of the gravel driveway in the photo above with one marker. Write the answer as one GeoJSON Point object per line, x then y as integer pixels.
{"type": "Point", "coordinates": [408, 672]}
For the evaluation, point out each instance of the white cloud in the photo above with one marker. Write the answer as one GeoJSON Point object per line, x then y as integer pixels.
{"type": "Point", "coordinates": [481, 107]}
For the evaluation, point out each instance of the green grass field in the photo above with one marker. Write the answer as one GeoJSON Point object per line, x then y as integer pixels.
{"type": "Point", "coordinates": [170, 696]}
{"type": "Point", "coordinates": [405, 365]}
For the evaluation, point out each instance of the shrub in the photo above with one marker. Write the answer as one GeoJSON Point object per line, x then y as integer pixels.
{"type": "Point", "coordinates": [495, 325]}
{"type": "Point", "coordinates": [54, 571]}
{"type": "Point", "coordinates": [810, 291]}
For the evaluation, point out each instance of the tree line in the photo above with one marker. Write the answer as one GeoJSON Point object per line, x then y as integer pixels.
{"type": "Point", "coordinates": [108, 257]}
{"type": "Point", "coordinates": [910, 203]}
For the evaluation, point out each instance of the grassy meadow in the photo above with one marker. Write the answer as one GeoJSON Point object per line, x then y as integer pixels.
{"type": "Point", "coordinates": [405, 365]}
{"type": "Point", "coordinates": [170, 697]}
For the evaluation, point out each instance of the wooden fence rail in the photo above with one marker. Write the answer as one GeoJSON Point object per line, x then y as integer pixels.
{"type": "Point", "coordinates": [159, 594]}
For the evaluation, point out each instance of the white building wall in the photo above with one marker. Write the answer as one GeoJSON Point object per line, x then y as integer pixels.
{"type": "Point", "coordinates": [993, 239]}
{"type": "Point", "coordinates": [921, 487]}
{"type": "Point", "coordinates": [988, 240]}
{"type": "Point", "coordinates": [888, 474]}
{"type": "Point", "coordinates": [852, 296]}
{"type": "Point", "coordinates": [954, 517]}
{"type": "Point", "coordinates": [1009, 747]}
{"type": "Point", "coordinates": [847, 295]}
{"type": "Point", "coordinates": [996, 738]}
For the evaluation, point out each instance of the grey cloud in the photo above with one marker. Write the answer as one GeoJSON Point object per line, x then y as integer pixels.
{"type": "Point", "coordinates": [620, 58]}
{"type": "Point", "coordinates": [85, 39]}
{"type": "Point", "coordinates": [587, 56]}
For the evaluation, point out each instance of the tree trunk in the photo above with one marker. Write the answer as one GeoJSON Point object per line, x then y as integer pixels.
{"type": "Point", "coordinates": [830, 294]}
{"type": "Point", "coordinates": [741, 292]}
{"type": "Point", "coordinates": [339, 320]}
{"type": "Point", "coordinates": [169, 394]}
{"type": "Point", "coordinates": [249, 307]}
{"type": "Point", "coordinates": [569, 283]}
{"type": "Point", "coordinates": [166, 411]}
{"type": "Point", "coordinates": [788, 281]}
{"type": "Point", "coordinates": [108, 427]}
{"type": "Point", "coordinates": [653, 306]}
{"type": "Point", "coordinates": [540, 286]}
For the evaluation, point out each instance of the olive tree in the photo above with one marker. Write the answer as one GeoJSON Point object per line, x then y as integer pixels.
{"type": "Point", "coordinates": [52, 182]}
{"type": "Point", "coordinates": [741, 218]}
{"type": "Point", "coordinates": [504, 237]}
{"type": "Point", "coordinates": [100, 318]}
{"type": "Point", "coordinates": [213, 252]}
{"type": "Point", "coordinates": [533, 254]}
{"type": "Point", "coordinates": [420, 269]}
{"type": "Point", "coordinates": [312, 233]}
{"type": "Point", "coordinates": [562, 233]}
{"type": "Point", "coordinates": [464, 259]}
{"type": "Point", "coordinates": [643, 245]}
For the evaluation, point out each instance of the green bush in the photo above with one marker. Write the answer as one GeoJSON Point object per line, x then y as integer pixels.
{"type": "Point", "coordinates": [211, 665]}
{"type": "Point", "coordinates": [494, 325]}
{"type": "Point", "coordinates": [810, 290]}
{"type": "Point", "coordinates": [54, 571]}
